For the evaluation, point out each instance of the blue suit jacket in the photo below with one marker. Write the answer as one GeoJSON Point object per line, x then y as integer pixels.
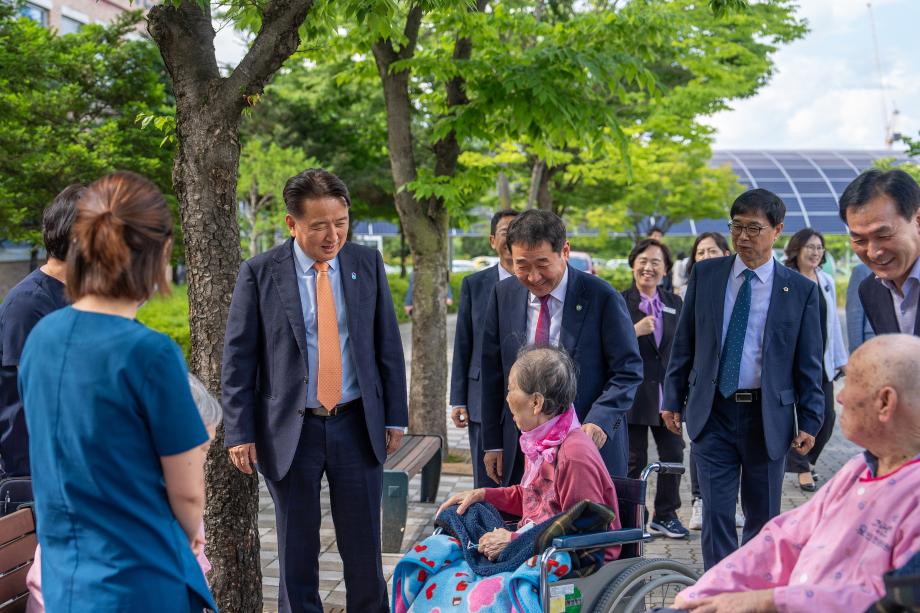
{"type": "Point", "coordinates": [464, 374]}
{"type": "Point", "coordinates": [792, 354]}
{"type": "Point", "coordinates": [264, 376]}
{"type": "Point", "coordinates": [859, 330]}
{"type": "Point", "coordinates": [598, 334]}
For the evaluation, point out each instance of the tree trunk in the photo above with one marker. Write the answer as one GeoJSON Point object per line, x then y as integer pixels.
{"type": "Point", "coordinates": [536, 178]}
{"type": "Point", "coordinates": [424, 223]}
{"type": "Point", "coordinates": [504, 191]}
{"type": "Point", "coordinates": [544, 195]}
{"type": "Point", "coordinates": [425, 228]}
{"type": "Point", "coordinates": [208, 109]}
{"type": "Point", "coordinates": [205, 182]}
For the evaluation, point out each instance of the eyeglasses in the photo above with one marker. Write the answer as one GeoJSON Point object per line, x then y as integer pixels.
{"type": "Point", "coordinates": [814, 248]}
{"type": "Point", "coordinates": [752, 230]}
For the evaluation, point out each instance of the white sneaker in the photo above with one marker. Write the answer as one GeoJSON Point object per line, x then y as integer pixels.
{"type": "Point", "coordinates": [739, 520]}
{"type": "Point", "coordinates": [696, 517]}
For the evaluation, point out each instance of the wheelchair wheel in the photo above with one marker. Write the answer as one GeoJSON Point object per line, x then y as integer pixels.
{"type": "Point", "coordinates": [647, 584]}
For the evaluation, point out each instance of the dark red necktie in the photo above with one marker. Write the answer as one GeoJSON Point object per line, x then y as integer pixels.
{"type": "Point", "coordinates": [542, 335]}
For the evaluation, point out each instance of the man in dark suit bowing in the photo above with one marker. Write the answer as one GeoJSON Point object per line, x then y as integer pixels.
{"type": "Point", "coordinates": [314, 383]}
{"type": "Point", "coordinates": [552, 303]}
{"type": "Point", "coordinates": [465, 394]}
{"type": "Point", "coordinates": [745, 373]}
{"type": "Point", "coordinates": [882, 210]}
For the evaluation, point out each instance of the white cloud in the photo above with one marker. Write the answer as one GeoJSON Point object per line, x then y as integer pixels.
{"type": "Point", "coordinates": [826, 91]}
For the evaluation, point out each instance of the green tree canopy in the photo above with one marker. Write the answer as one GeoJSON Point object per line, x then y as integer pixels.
{"type": "Point", "coordinates": [264, 169]}
{"type": "Point", "coordinates": [68, 105]}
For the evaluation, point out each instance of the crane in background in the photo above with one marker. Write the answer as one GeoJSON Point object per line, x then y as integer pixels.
{"type": "Point", "coordinates": [889, 119]}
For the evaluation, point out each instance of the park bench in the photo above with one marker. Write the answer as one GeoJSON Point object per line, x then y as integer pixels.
{"type": "Point", "coordinates": [418, 453]}
{"type": "Point", "coordinates": [17, 549]}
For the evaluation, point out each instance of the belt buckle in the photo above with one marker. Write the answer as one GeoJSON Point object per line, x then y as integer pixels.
{"type": "Point", "coordinates": [744, 397]}
{"type": "Point", "coordinates": [334, 411]}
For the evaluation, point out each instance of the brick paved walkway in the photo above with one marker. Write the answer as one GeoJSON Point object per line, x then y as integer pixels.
{"type": "Point", "coordinates": [418, 525]}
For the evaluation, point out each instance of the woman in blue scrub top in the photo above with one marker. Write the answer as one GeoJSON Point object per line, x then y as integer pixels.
{"type": "Point", "coordinates": [117, 472]}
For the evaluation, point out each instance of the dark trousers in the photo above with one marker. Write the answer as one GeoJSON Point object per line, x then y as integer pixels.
{"type": "Point", "coordinates": [730, 448]}
{"type": "Point", "coordinates": [798, 463]}
{"type": "Point", "coordinates": [339, 447]}
{"type": "Point", "coordinates": [14, 440]}
{"type": "Point", "coordinates": [670, 449]}
{"type": "Point", "coordinates": [480, 479]}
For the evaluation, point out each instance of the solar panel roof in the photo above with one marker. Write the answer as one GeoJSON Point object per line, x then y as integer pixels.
{"type": "Point", "coordinates": [810, 182]}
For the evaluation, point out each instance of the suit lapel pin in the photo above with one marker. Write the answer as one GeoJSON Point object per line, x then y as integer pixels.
{"type": "Point", "coordinates": [785, 289]}
{"type": "Point", "coordinates": [577, 307]}
{"type": "Point", "coordinates": [354, 276]}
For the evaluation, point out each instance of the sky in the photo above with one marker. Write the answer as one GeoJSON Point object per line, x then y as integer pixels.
{"type": "Point", "coordinates": [826, 91]}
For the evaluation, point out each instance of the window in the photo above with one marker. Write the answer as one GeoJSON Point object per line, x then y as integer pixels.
{"type": "Point", "coordinates": [69, 25]}
{"type": "Point", "coordinates": [35, 13]}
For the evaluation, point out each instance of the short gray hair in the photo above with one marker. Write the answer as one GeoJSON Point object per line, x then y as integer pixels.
{"type": "Point", "coordinates": [550, 372]}
{"type": "Point", "coordinates": [208, 407]}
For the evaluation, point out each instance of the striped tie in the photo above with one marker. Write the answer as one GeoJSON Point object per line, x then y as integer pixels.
{"type": "Point", "coordinates": [329, 380]}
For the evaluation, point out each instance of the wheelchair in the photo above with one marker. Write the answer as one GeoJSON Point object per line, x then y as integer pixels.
{"type": "Point", "coordinates": [630, 584]}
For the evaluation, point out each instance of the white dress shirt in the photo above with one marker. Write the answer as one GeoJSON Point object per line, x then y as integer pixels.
{"type": "Point", "coordinates": [761, 290]}
{"type": "Point", "coordinates": [556, 302]}
{"type": "Point", "coordinates": [502, 273]}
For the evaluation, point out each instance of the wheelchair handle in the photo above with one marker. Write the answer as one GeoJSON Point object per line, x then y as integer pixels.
{"type": "Point", "coordinates": [662, 468]}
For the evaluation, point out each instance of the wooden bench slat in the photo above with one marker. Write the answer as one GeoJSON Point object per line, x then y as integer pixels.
{"type": "Point", "coordinates": [409, 443]}
{"type": "Point", "coordinates": [410, 459]}
{"type": "Point", "coordinates": [17, 553]}
{"type": "Point", "coordinates": [13, 584]}
{"type": "Point", "coordinates": [425, 450]}
{"type": "Point", "coordinates": [407, 450]}
{"type": "Point", "coordinates": [15, 525]}
{"type": "Point", "coordinates": [17, 605]}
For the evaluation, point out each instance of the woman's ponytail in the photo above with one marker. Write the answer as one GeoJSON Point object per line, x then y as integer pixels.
{"type": "Point", "coordinates": [119, 239]}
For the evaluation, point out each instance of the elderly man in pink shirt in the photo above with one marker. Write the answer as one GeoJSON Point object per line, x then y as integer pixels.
{"type": "Point", "coordinates": [830, 553]}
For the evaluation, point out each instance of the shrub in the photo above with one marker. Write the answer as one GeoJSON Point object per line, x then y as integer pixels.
{"type": "Point", "coordinates": [169, 315]}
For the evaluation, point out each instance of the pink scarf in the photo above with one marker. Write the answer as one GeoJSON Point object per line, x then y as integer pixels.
{"type": "Point", "coordinates": [539, 445]}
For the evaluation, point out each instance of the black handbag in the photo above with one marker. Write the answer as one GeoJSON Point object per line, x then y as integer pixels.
{"type": "Point", "coordinates": [14, 493]}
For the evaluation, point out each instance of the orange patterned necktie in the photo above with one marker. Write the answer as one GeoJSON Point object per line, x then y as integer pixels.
{"type": "Point", "coordinates": [329, 377]}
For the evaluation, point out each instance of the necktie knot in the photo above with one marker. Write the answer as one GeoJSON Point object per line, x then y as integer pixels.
{"type": "Point", "coordinates": [544, 300]}
{"type": "Point", "coordinates": [321, 266]}
{"type": "Point", "coordinates": [749, 275]}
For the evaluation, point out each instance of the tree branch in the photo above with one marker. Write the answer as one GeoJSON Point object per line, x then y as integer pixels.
{"type": "Point", "coordinates": [183, 32]}
{"type": "Point", "coordinates": [277, 40]}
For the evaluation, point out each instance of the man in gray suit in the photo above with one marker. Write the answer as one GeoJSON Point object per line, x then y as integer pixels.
{"type": "Point", "coordinates": [314, 384]}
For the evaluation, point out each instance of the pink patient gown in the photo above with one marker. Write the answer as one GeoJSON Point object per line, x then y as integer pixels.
{"type": "Point", "coordinates": [830, 553]}
{"type": "Point", "coordinates": [36, 603]}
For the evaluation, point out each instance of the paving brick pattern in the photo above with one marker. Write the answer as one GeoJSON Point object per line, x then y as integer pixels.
{"type": "Point", "coordinates": [420, 516]}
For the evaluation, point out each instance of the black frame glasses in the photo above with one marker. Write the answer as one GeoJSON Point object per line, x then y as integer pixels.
{"type": "Point", "coordinates": [752, 230]}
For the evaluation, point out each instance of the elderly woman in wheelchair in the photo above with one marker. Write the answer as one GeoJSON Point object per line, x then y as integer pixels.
{"type": "Point", "coordinates": [569, 509]}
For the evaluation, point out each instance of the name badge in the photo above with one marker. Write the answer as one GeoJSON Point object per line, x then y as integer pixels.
{"type": "Point", "coordinates": [668, 310]}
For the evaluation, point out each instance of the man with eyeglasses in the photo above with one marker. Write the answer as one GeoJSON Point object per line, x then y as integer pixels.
{"type": "Point", "coordinates": [882, 210]}
{"type": "Point", "coordinates": [745, 374]}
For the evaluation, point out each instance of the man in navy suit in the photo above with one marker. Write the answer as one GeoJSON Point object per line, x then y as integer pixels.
{"type": "Point", "coordinates": [882, 210]}
{"type": "Point", "coordinates": [745, 374]}
{"type": "Point", "coordinates": [475, 290]}
{"type": "Point", "coordinates": [552, 303]}
{"type": "Point", "coordinates": [314, 383]}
